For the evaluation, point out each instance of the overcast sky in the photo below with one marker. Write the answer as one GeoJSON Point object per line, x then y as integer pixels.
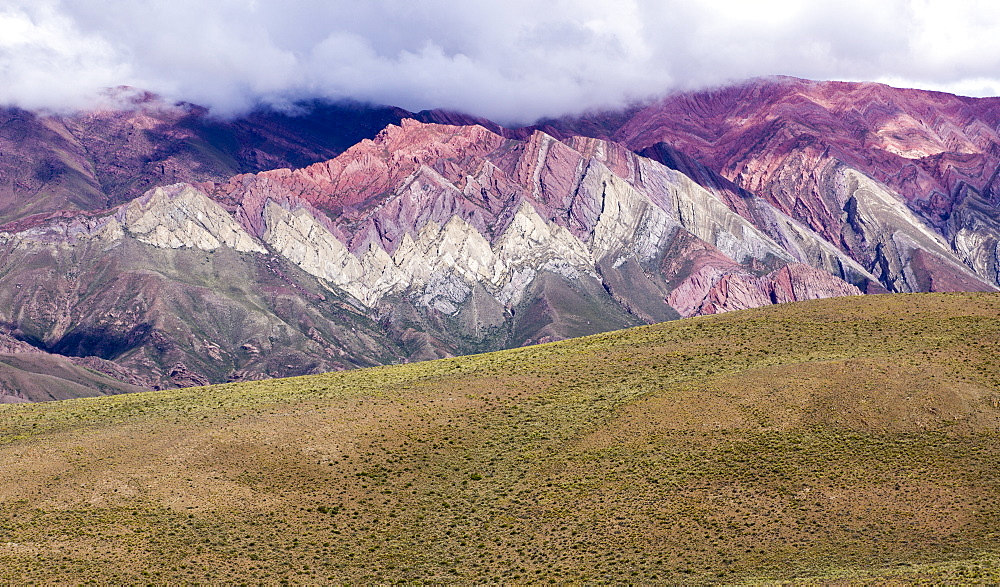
{"type": "Point", "coordinates": [510, 60]}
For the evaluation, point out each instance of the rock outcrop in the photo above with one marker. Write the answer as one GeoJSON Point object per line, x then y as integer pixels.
{"type": "Point", "coordinates": [181, 216]}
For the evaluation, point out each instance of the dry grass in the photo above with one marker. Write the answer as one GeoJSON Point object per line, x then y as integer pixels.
{"type": "Point", "coordinates": [838, 440]}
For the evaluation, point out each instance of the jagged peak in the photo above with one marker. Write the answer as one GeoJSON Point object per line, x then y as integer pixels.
{"type": "Point", "coordinates": [181, 215]}
{"type": "Point", "coordinates": [410, 131]}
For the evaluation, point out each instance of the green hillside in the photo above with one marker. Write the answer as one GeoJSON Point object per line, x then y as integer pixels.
{"type": "Point", "coordinates": [841, 439]}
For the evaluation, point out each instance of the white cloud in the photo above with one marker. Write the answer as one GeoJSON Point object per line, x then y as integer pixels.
{"type": "Point", "coordinates": [46, 61]}
{"type": "Point", "coordinates": [512, 60]}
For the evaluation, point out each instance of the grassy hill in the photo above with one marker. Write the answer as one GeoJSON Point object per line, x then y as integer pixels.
{"type": "Point", "coordinates": [43, 377]}
{"type": "Point", "coordinates": [841, 439]}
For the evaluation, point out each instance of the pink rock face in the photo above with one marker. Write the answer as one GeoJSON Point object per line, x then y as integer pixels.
{"type": "Point", "coordinates": [775, 136]}
{"type": "Point", "coordinates": [382, 189]}
{"type": "Point", "coordinates": [411, 174]}
{"type": "Point", "coordinates": [708, 282]}
{"type": "Point", "coordinates": [354, 190]}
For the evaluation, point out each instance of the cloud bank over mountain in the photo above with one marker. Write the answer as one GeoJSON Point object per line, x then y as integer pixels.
{"type": "Point", "coordinates": [513, 60]}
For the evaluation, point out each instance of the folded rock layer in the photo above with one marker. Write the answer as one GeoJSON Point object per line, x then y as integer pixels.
{"type": "Point", "coordinates": [429, 240]}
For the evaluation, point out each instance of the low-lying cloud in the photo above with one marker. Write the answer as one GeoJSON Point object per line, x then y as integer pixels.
{"type": "Point", "coordinates": [510, 60]}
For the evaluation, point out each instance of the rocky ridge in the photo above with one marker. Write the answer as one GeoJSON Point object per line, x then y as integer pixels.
{"type": "Point", "coordinates": [836, 156]}
{"type": "Point", "coordinates": [471, 207]}
{"type": "Point", "coordinates": [432, 240]}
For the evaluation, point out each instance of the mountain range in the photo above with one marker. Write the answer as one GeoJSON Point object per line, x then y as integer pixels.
{"type": "Point", "coordinates": [156, 246]}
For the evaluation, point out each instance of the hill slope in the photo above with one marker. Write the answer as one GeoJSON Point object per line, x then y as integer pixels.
{"type": "Point", "coordinates": [37, 376]}
{"type": "Point", "coordinates": [839, 438]}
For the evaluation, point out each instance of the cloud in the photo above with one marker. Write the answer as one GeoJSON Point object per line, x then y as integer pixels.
{"type": "Point", "coordinates": [46, 61]}
{"type": "Point", "coordinates": [511, 60]}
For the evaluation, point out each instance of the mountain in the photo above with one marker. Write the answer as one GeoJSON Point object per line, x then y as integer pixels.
{"type": "Point", "coordinates": [428, 241]}
{"type": "Point", "coordinates": [903, 181]}
{"type": "Point", "coordinates": [439, 203]}
{"type": "Point", "coordinates": [346, 235]}
{"type": "Point", "coordinates": [65, 163]}
{"type": "Point", "coordinates": [848, 440]}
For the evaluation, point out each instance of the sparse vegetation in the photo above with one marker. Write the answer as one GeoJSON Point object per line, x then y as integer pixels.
{"type": "Point", "coordinates": [837, 440]}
